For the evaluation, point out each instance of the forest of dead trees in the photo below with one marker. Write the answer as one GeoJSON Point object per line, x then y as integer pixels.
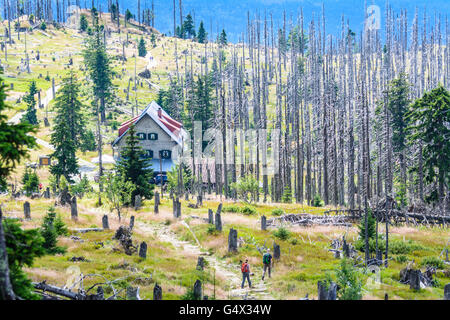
{"type": "Point", "coordinates": [331, 109]}
{"type": "Point", "coordinates": [339, 105]}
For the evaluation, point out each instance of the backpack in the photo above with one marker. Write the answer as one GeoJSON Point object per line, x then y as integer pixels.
{"type": "Point", "coordinates": [244, 267]}
{"type": "Point", "coordinates": [266, 258]}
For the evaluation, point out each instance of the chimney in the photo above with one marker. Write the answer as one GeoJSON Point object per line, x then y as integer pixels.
{"type": "Point", "coordinates": [160, 113]}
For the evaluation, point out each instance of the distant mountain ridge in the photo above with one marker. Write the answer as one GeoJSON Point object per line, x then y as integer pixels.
{"type": "Point", "coordinates": [231, 15]}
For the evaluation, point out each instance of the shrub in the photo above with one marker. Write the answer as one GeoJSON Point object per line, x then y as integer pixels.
{"type": "Point", "coordinates": [189, 295]}
{"type": "Point", "coordinates": [20, 255]}
{"type": "Point", "coordinates": [433, 262]}
{"type": "Point", "coordinates": [403, 247]}
{"type": "Point", "coordinates": [348, 281]}
{"type": "Point", "coordinates": [277, 212]}
{"type": "Point", "coordinates": [43, 26]}
{"type": "Point", "coordinates": [248, 211]}
{"type": "Point", "coordinates": [294, 241]}
{"type": "Point", "coordinates": [317, 201]}
{"type": "Point", "coordinates": [30, 182]}
{"type": "Point", "coordinates": [231, 208]}
{"type": "Point", "coordinates": [282, 233]}
{"type": "Point", "coordinates": [401, 258]}
{"type": "Point", "coordinates": [50, 230]}
{"type": "Point", "coordinates": [287, 195]}
{"type": "Point", "coordinates": [212, 230]}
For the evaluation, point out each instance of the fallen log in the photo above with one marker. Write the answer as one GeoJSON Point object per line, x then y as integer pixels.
{"type": "Point", "coordinates": [86, 230]}
{"type": "Point", "coordinates": [59, 291]}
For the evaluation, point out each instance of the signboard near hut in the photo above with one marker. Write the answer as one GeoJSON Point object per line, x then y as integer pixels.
{"type": "Point", "coordinates": [44, 161]}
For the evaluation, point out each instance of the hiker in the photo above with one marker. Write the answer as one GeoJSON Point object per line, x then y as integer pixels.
{"type": "Point", "coordinates": [267, 262]}
{"type": "Point", "coordinates": [245, 268]}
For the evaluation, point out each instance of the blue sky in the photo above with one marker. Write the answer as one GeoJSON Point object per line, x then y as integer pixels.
{"type": "Point", "coordinates": [231, 15]}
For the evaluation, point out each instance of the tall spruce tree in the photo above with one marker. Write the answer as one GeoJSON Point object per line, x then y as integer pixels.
{"type": "Point", "coordinates": [202, 36]}
{"type": "Point", "coordinates": [188, 27]}
{"type": "Point", "coordinates": [15, 143]}
{"type": "Point", "coordinates": [30, 115]}
{"type": "Point", "coordinates": [134, 167]}
{"type": "Point", "coordinates": [223, 38]}
{"type": "Point", "coordinates": [98, 67]}
{"type": "Point", "coordinates": [68, 128]}
{"type": "Point", "coordinates": [142, 50]}
{"type": "Point", "coordinates": [429, 117]}
{"type": "Point", "coordinates": [398, 102]}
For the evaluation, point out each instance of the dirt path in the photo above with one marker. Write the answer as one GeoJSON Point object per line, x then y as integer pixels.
{"type": "Point", "coordinates": [232, 275]}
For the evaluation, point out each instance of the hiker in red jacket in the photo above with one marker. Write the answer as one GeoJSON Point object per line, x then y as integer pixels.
{"type": "Point", "coordinates": [245, 268]}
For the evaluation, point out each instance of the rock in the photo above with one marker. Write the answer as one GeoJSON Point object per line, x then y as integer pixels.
{"type": "Point", "coordinates": [198, 290]}
{"type": "Point", "coordinates": [146, 74]}
{"type": "Point", "coordinates": [78, 259]}
{"type": "Point", "coordinates": [157, 292]}
{"type": "Point", "coordinates": [143, 250]}
{"type": "Point", "coordinates": [105, 222]}
{"type": "Point", "coordinates": [27, 210]}
{"type": "Point", "coordinates": [232, 241]}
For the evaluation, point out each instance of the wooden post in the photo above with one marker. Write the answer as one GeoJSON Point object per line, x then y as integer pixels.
{"type": "Point", "coordinates": [143, 250]}
{"type": "Point", "coordinates": [156, 202]}
{"type": "Point", "coordinates": [137, 202]}
{"type": "Point", "coordinates": [414, 280]}
{"type": "Point", "coordinates": [447, 292]}
{"type": "Point", "coordinates": [210, 216]}
{"type": "Point", "coordinates": [200, 263]}
{"type": "Point", "coordinates": [198, 290]}
{"type": "Point", "coordinates": [276, 251]}
{"type": "Point", "coordinates": [157, 292]}
{"type": "Point", "coordinates": [74, 208]}
{"type": "Point", "coordinates": [232, 241]}
{"type": "Point", "coordinates": [218, 219]}
{"type": "Point", "coordinates": [263, 223]}
{"type": "Point", "coordinates": [27, 210]}
{"type": "Point", "coordinates": [105, 222]}
{"type": "Point", "coordinates": [131, 222]}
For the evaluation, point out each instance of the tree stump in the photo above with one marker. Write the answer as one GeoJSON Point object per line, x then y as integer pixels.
{"type": "Point", "coordinates": [447, 292]}
{"type": "Point", "coordinates": [133, 293]}
{"type": "Point", "coordinates": [232, 241]}
{"type": "Point", "coordinates": [137, 202]}
{"type": "Point", "coordinates": [200, 263]}
{"type": "Point", "coordinates": [27, 210]}
{"type": "Point", "coordinates": [414, 280]}
{"type": "Point", "coordinates": [176, 208]}
{"type": "Point", "coordinates": [143, 250]}
{"type": "Point", "coordinates": [324, 293]}
{"type": "Point", "coordinates": [105, 222]}
{"type": "Point", "coordinates": [346, 249]}
{"type": "Point", "coordinates": [210, 216]}
{"type": "Point", "coordinates": [218, 219]}
{"type": "Point", "coordinates": [198, 290]}
{"type": "Point", "coordinates": [131, 222]}
{"type": "Point", "coordinates": [156, 202]}
{"type": "Point", "coordinates": [47, 193]}
{"type": "Point", "coordinates": [74, 208]}
{"type": "Point", "coordinates": [263, 223]}
{"type": "Point", "coordinates": [276, 251]}
{"type": "Point", "coordinates": [157, 292]}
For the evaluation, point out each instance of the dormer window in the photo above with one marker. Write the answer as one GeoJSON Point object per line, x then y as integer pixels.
{"type": "Point", "coordinates": [142, 136]}
{"type": "Point", "coordinates": [153, 136]}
